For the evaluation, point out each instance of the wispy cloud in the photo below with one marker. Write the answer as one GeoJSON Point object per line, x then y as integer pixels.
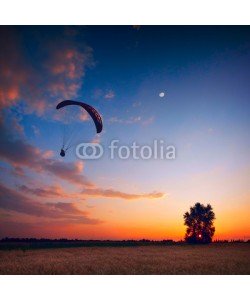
{"type": "Point", "coordinates": [11, 200]}
{"type": "Point", "coordinates": [132, 120]}
{"type": "Point", "coordinates": [110, 193]}
{"type": "Point", "coordinates": [84, 116]}
{"type": "Point", "coordinates": [96, 139]}
{"type": "Point", "coordinates": [58, 192]}
{"type": "Point", "coordinates": [148, 121]}
{"type": "Point", "coordinates": [109, 95]}
{"type": "Point", "coordinates": [53, 191]}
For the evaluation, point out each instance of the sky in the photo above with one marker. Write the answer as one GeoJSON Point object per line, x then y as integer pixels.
{"type": "Point", "coordinates": [204, 74]}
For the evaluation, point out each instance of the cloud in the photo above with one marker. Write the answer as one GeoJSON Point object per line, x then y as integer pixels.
{"type": "Point", "coordinates": [130, 120]}
{"type": "Point", "coordinates": [58, 192]}
{"type": "Point", "coordinates": [148, 121]}
{"type": "Point", "coordinates": [54, 191]}
{"type": "Point", "coordinates": [110, 193]}
{"type": "Point", "coordinates": [48, 154]}
{"type": "Point", "coordinates": [109, 95]}
{"type": "Point", "coordinates": [12, 72]}
{"type": "Point", "coordinates": [19, 153]}
{"type": "Point", "coordinates": [68, 208]}
{"type": "Point", "coordinates": [71, 172]}
{"type": "Point", "coordinates": [96, 139]}
{"type": "Point", "coordinates": [11, 200]}
{"type": "Point", "coordinates": [103, 93]}
{"type": "Point", "coordinates": [55, 73]}
{"type": "Point", "coordinates": [84, 116]}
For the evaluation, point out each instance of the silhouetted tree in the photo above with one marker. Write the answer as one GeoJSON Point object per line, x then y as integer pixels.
{"type": "Point", "coordinates": [199, 221]}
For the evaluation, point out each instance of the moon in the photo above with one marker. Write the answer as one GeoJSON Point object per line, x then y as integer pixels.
{"type": "Point", "coordinates": [162, 94]}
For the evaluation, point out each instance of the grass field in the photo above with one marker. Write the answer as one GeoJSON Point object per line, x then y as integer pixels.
{"type": "Point", "coordinates": [175, 259]}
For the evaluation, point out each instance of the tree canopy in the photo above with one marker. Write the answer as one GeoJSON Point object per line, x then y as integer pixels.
{"type": "Point", "coordinates": [200, 224]}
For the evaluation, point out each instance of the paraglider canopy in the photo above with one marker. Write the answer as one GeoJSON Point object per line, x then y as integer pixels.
{"type": "Point", "coordinates": [92, 112]}
{"type": "Point", "coordinates": [75, 105]}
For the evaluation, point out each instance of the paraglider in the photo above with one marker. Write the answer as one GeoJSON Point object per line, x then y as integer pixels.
{"type": "Point", "coordinates": [86, 107]}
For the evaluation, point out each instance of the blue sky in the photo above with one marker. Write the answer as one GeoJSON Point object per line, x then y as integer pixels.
{"type": "Point", "coordinates": [120, 70]}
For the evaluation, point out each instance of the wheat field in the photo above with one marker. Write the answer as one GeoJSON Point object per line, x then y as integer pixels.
{"type": "Point", "coordinates": [175, 259]}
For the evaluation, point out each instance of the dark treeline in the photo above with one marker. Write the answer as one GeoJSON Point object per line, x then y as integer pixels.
{"type": "Point", "coordinates": [232, 241]}
{"type": "Point", "coordinates": [33, 243]}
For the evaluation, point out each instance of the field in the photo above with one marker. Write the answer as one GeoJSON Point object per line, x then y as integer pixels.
{"type": "Point", "coordinates": [172, 259]}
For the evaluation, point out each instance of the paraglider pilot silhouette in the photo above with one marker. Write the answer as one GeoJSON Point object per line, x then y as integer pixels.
{"type": "Point", "coordinates": [62, 153]}
{"type": "Point", "coordinates": [91, 111]}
